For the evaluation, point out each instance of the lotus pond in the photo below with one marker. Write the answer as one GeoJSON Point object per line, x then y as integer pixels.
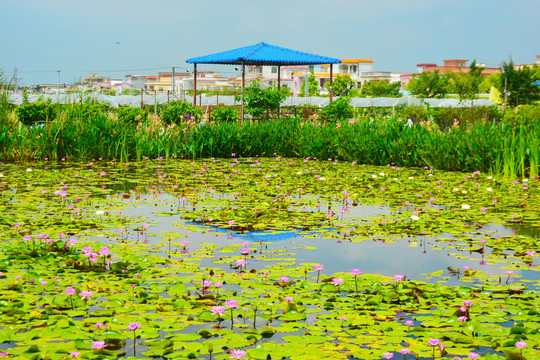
{"type": "Point", "coordinates": [266, 258]}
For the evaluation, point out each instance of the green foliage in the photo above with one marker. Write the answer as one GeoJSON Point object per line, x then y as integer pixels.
{"type": "Point", "coordinates": [447, 117]}
{"type": "Point", "coordinates": [488, 82]}
{"type": "Point", "coordinates": [313, 86]}
{"type": "Point", "coordinates": [180, 111]}
{"type": "Point", "coordinates": [131, 115]}
{"type": "Point", "coordinates": [258, 100]}
{"type": "Point", "coordinates": [5, 106]}
{"type": "Point", "coordinates": [429, 85]}
{"type": "Point", "coordinates": [225, 114]}
{"type": "Point", "coordinates": [343, 85]}
{"type": "Point", "coordinates": [467, 85]}
{"type": "Point", "coordinates": [339, 109]}
{"type": "Point", "coordinates": [37, 112]}
{"type": "Point", "coordinates": [522, 116]}
{"type": "Point", "coordinates": [519, 84]}
{"type": "Point", "coordinates": [415, 113]}
{"type": "Point", "coordinates": [381, 88]}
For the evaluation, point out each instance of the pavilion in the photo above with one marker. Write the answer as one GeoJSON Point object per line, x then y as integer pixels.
{"type": "Point", "coordinates": [260, 54]}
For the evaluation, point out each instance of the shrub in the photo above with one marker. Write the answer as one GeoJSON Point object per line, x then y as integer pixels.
{"type": "Point", "coordinates": [38, 112]}
{"type": "Point", "coordinates": [415, 113]}
{"type": "Point", "coordinates": [446, 117]}
{"type": "Point", "coordinates": [522, 116]}
{"type": "Point", "coordinates": [131, 115]}
{"type": "Point", "coordinates": [180, 111]}
{"type": "Point", "coordinates": [225, 114]}
{"type": "Point", "coordinates": [339, 109]}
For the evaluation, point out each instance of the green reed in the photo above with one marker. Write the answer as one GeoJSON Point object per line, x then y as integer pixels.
{"type": "Point", "coordinates": [495, 148]}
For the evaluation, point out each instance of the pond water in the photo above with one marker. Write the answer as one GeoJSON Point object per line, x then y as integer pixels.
{"type": "Point", "coordinates": [425, 242]}
{"type": "Point", "coordinates": [416, 257]}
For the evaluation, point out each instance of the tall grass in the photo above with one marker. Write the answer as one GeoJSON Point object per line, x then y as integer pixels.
{"type": "Point", "coordinates": [484, 146]}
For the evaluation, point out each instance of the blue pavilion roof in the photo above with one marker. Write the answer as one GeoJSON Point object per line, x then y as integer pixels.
{"type": "Point", "coordinates": [263, 54]}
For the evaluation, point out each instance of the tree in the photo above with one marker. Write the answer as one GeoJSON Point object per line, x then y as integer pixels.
{"type": "Point", "coordinates": [489, 81]}
{"type": "Point", "coordinates": [343, 85]}
{"type": "Point", "coordinates": [313, 86]}
{"type": "Point", "coordinates": [519, 83]}
{"type": "Point", "coordinates": [467, 85]}
{"type": "Point", "coordinates": [381, 88]}
{"type": "Point", "coordinates": [429, 85]}
{"type": "Point", "coordinates": [259, 100]}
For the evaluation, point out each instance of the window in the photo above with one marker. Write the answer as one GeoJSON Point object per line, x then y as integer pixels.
{"type": "Point", "coordinates": [274, 69]}
{"type": "Point", "coordinates": [353, 69]}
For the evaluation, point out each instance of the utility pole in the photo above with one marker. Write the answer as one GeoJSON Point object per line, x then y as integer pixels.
{"type": "Point", "coordinates": [172, 81]}
{"type": "Point", "coordinates": [58, 87]}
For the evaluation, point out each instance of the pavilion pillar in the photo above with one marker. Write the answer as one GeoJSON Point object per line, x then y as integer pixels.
{"type": "Point", "coordinates": [194, 84]}
{"type": "Point", "coordinates": [331, 82]}
{"type": "Point", "coordinates": [278, 86]}
{"type": "Point", "coordinates": [243, 87]}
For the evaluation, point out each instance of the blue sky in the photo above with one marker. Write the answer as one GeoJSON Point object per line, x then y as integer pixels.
{"type": "Point", "coordinates": [78, 37]}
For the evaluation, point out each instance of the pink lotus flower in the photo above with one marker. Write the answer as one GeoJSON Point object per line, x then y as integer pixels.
{"type": "Point", "coordinates": [231, 303]}
{"type": "Point", "coordinates": [240, 262]}
{"type": "Point", "coordinates": [237, 354]}
{"type": "Point", "coordinates": [75, 354]}
{"type": "Point", "coordinates": [283, 279]}
{"type": "Point", "coordinates": [99, 344]}
{"type": "Point", "coordinates": [404, 351]}
{"type": "Point", "coordinates": [289, 299]}
{"type": "Point", "coordinates": [473, 355]}
{"type": "Point", "coordinates": [134, 326]}
{"type": "Point", "coordinates": [468, 303]}
{"type": "Point", "coordinates": [319, 267]}
{"type": "Point", "coordinates": [355, 272]}
{"type": "Point", "coordinates": [399, 277]}
{"type": "Point", "coordinates": [70, 290]}
{"type": "Point", "coordinates": [337, 281]}
{"type": "Point", "coordinates": [217, 310]}
{"type": "Point", "coordinates": [85, 294]}
{"type": "Point", "coordinates": [520, 344]}
{"type": "Point", "coordinates": [388, 355]}
{"type": "Point", "coordinates": [434, 342]}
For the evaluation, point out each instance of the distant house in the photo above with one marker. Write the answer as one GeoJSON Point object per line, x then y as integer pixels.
{"type": "Point", "coordinates": [95, 78]}
{"type": "Point", "coordinates": [137, 82]}
{"type": "Point", "coordinates": [454, 65]}
{"type": "Point", "coordinates": [206, 80]}
{"type": "Point", "coordinates": [521, 66]}
{"type": "Point", "coordinates": [163, 82]}
{"type": "Point", "coordinates": [360, 71]}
